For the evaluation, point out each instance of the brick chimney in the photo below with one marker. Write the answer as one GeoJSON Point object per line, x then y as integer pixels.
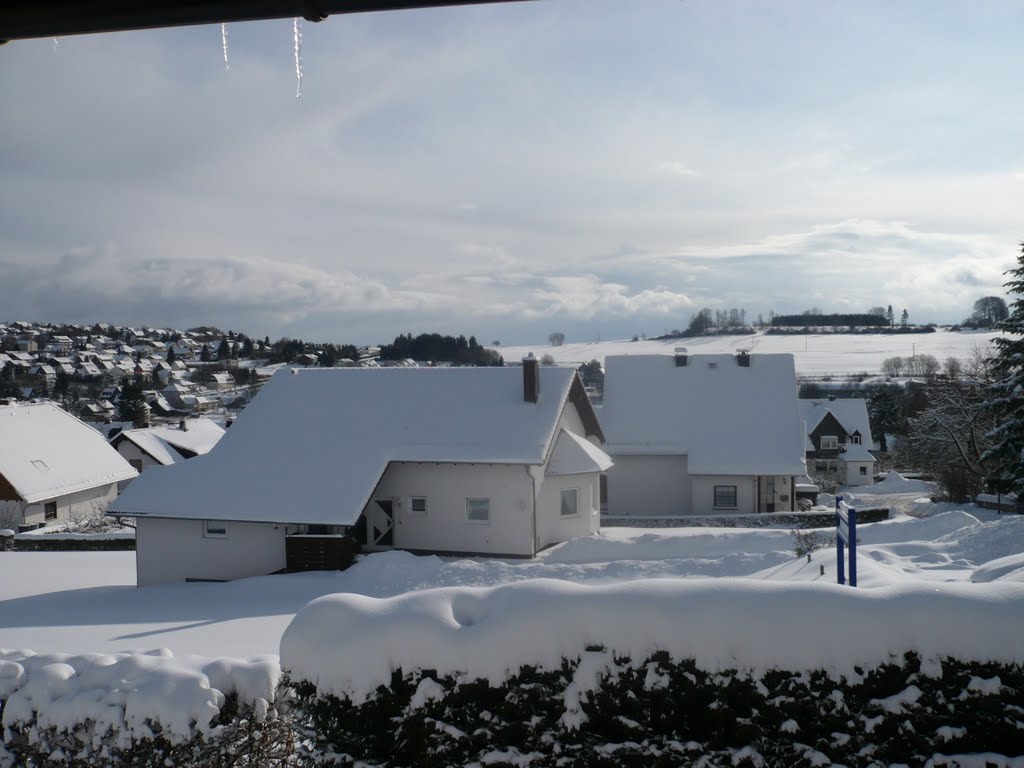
{"type": "Point", "coordinates": [680, 355]}
{"type": "Point", "coordinates": [743, 358]}
{"type": "Point", "coordinates": [531, 379]}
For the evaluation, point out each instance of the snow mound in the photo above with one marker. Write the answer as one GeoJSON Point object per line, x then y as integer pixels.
{"type": "Point", "coordinates": [1009, 568]}
{"type": "Point", "coordinates": [904, 529]}
{"type": "Point", "coordinates": [348, 645]}
{"type": "Point", "coordinates": [128, 693]}
{"type": "Point", "coordinates": [894, 482]}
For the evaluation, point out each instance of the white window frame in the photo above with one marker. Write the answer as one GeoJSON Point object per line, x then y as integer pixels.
{"type": "Point", "coordinates": [864, 469]}
{"type": "Point", "coordinates": [576, 502]}
{"type": "Point", "coordinates": [412, 506]}
{"type": "Point", "coordinates": [855, 439]}
{"type": "Point", "coordinates": [469, 504]}
{"type": "Point", "coordinates": [219, 529]}
{"type": "Point", "coordinates": [735, 493]}
{"type": "Point", "coordinates": [829, 443]}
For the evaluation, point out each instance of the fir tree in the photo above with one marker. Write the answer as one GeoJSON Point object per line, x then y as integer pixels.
{"type": "Point", "coordinates": [1007, 394]}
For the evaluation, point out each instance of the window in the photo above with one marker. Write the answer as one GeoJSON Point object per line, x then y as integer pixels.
{"type": "Point", "coordinates": [725, 496]}
{"type": "Point", "coordinates": [855, 439]}
{"type": "Point", "coordinates": [829, 442]}
{"type": "Point", "coordinates": [214, 529]}
{"type": "Point", "coordinates": [478, 510]}
{"type": "Point", "coordinates": [569, 499]}
{"type": "Point", "coordinates": [863, 470]}
{"type": "Point", "coordinates": [50, 510]}
{"type": "Point", "coordinates": [418, 505]}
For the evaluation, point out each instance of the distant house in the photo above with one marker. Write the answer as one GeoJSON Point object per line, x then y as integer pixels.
{"type": "Point", "coordinates": [702, 434]}
{"type": "Point", "coordinates": [839, 438]}
{"type": "Point", "coordinates": [163, 446]}
{"type": "Point", "coordinates": [53, 466]}
{"type": "Point", "coordinates": [222, 380]}
{"type": "Point", "coordinates": [502, 461]}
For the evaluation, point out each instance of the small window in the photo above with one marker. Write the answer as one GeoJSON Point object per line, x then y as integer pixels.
{"type": "Point", "coordinates": [418, 505]}
{"type": "Point", "coordinates": [50, 510]}
{"type": "Point", "coordinates": [855, 439]}
{"type": "Point", "coordinates": [478, 510]}
{"type": "Point", "coordinates": [863, 470]}
{"type": "Point", "coordinates": [569, 499]}
{"type": "Point", "coordinates": [214, 529]}
{"type": "Point", "coordinates": [829, 442]}
{"type": "Point", "coordinates": [725, 497]}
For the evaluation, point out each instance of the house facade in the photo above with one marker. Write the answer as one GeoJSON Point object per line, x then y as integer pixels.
{"type": "Point", "coordinates": [497, 461]}
{"type": "Point", "coordinates": [701, 434]}
{"type": "Point", "coordinates": [163, 446]}
{"type": "Point", "coordinates": [54, 467]}
{"type": "Point", "coordinates": [839, 439]}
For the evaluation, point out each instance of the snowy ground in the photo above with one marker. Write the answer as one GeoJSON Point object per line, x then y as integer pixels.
{"type": "Point", "coordinates": [816, 355]}
{"type": "Point", "coordinates": [87, 602]}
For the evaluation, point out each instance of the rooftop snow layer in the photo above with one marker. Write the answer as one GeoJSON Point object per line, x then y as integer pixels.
{"type": "Point", "coordinates": [312, 445]}
{"type": "Point", "coordinates": [575, 455]}
{"type": "Point", "coordinates": [160, 442]}
{"type": "Point", "coordinates": [851, 412]}
{"type": "Point", "coordinates": [726, 418]}
{"type": "Point", "coordinates": [46, 452]}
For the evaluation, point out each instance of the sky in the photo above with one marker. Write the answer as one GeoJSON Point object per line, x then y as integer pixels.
{"type": "Point", "coordinates": [595, 167]}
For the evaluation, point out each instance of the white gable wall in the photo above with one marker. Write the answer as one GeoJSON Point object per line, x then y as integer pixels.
{"type": "Point", "coordinates": [174, 550]}
{"type": "Point", "coordinates": [445, 528]}
{"type": "Point", "coordinates": [132, 453]}
{"type": "Point", "coordinates": [851, 472]}
{"type": "Point", "coordinates": [82, 504]}
{"type": "Point", "coordinates": [649, 486]}
{"type": "Point", "coordinates": [552, 527]}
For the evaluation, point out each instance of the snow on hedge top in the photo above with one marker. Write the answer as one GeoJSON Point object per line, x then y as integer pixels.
{"type": "Point", "coordinates": [46, 452]}
{"type": "Point", "coordinates": [313, 444]}
{"type": "Point", "coordinates": [348, 645]}
{"type": "Point", "coordinates": [162, 443]}
{"type": "Point", "coordinates": [728, 419]}
{"type": "Point", "coordinates": [130, 693]}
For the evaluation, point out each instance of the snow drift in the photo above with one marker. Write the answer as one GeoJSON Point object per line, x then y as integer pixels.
{"type": "Point", "coordinates": [348, 645]}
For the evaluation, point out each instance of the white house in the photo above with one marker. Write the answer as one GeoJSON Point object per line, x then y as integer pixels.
{"type": "Point", "coordinates": [53, 466]}
{"type": "Point", "coordinates": [839, 438]}
{"type": "Point", "coordinates": [702, 434]}
{"type": "Point", "coordinates": [502, 461]}
{"type": "Point", "coordinates": [163, 446]}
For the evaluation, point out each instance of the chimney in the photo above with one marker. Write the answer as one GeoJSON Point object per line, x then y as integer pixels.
{"type": "Point", "coordinates": [183, 425]}
{"type": "Point", "coordinates": [680, 355]}
{"type": "Point", "coordinates": [743, 358]}
{"type": "Point", "coordinates": [531, 378]}
{"type": "Point", "coordinates": [831, 398]}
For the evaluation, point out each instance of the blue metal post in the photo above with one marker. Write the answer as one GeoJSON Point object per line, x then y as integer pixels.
{"type": "Point", "coordinates": [853, 547]}
{"type": "Point", "coordinates": [840, 564]}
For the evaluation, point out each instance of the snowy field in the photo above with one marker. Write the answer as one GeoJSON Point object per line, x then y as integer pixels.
{"type": "Point", "coordinates": [815, 355]}
{"type": "Point", "coordinates": [87, 601]}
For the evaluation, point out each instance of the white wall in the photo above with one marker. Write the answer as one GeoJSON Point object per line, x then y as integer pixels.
{"type": "Point", "coordinates": [444, 528]}
{"type": "Point", "coordinates": [175, 550]}
{"type": "Point", "coordinates": [552, 528]}
{"type": "Point", "coordinates": [649, 486]}
{"type": "Point", "coordinates": [130, 451]}
{"type": "Point", "coordinates": [88, 503]}
{"type": "Point", "coordinates": [704, 494]}
{"type": "Point", "coordinates": [853, 475]}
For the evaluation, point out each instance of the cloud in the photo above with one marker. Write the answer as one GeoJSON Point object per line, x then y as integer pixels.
{"type": "Point", "coordinates": [586, 296]}
{"type": "Point", "coordinates": [676, 168]}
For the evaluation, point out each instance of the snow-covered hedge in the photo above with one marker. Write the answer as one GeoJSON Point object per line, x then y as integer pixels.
{"type": "Point", "coordinates": [661, 673]}
{"type": "Point", "coordinates": [138, 709]}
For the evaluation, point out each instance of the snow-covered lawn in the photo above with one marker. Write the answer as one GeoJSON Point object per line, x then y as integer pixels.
{"type": "Point", "coordinates": [87, 601]}
{"type": "Point", "coordinates": [815, 354]}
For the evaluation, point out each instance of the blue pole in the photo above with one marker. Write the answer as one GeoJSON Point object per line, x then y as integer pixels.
{"type": "Point", "coordinates": [853, 547]}
{"type": "Point", "coordinates": [840, 564]}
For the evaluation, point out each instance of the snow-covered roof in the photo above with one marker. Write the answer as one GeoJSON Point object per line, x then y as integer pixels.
{"type": "Point", "coordinates": [575, 455]}
{"type": "Point", "coordinates": [851, 412]}
{"type": "Point", "coordinates": [728, 419]}
{"type": "Point", "coordinates": [46, 452]}
{"type": "Point", "coordinates": [313, 444]}
{"type": "Point", "coordinates": [857, 452]}
{"type": "Point", "coordinates": [161, 442]}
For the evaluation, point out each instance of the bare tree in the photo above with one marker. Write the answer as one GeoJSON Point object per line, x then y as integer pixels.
{"type": "Point", "coordinates": [556, 339]}
{"type": "Point", "coordinates": [892, 366]}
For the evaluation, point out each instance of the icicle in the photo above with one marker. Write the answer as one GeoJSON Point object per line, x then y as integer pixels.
{"type": "Point", "coordinates": [297, 36]}
{"type": "Point", "coordinates": [224, 45]}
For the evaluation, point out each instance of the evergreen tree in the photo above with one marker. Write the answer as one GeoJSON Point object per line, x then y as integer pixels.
{"type": "Point", "coordinates": [904, 317]}
{"type": "Point", "coordinates": [132, 405]}
{"type": "Point", "coordinates": [171, 356]}
{"type": "Point", "coordinates": [889, 316]}
{"type": "Point", "coordinates": [204, 354]}
{"type": "Point", "coordinates": [1006, 399]}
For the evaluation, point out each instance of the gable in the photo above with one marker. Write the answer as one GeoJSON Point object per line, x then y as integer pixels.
{"type": "Point", "coordinates": [829, 425]}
